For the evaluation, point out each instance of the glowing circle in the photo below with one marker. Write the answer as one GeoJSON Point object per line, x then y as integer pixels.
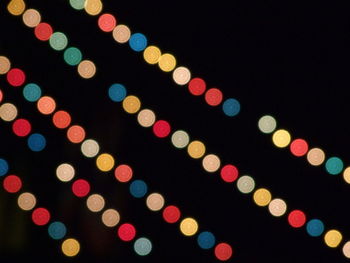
{"type": "Point", "coordinates": [15, 77]}
{"type": "Point", "coordinates": [206, 240]}
{"type": "Point", "coordinates": [40, 216]}
{"type": "Point", "coordinates": [5, 65]}
{"type": "Point", "coordinates": [107, 22]}
{"type": "Point", "coordinates": [299, 147]}
{"type": "Point", "coordinates": [277, 207]}
{"type": "Point", "coordinates": [131, 104]}
{"type": "Point", "coordinates": [223, 251]}
{"type": "Point", "coordinates": [262, 197]}
{"type": "Point", "coordinates": [296, 218]}
{"type": "Point", "coordinates": [36, 142]}
{"type": "Point", "coordinates": [281, 138]}
{"type": "Point", "coordinates": [72, 56]}
{"type": "Point", "coordinates": [65, 172]}
{"type": "Point", "coordinates": [180, 139]}
{"type": "Point", "coordinates": [16, 7]}
{"type": "Point", "coordinates": [333, 238]}
{"type": "Point", "coordinates": [46, 105]}
{"type": "Point", "coordinates": [316, 156]}
{"type": "Point", "coordinates": [231, 107]}
{"type": "Point", "coordinates": [346, 249]}
{"type": "Point", "coordinates": [21, 127]}
{"type": "Point", "coordinates": [110, 217]}
{"type": "Point", "coordinates": [93, 7]}
{"type": "Point", "coordinates": [121, 34]}
{"type": "Point", "coordinates": [167, 62]}
{"type": "Point", "coordinates": [126, 232]}
{"type": "Point", "coordinates": [213, 97]}
{"type": "Point", "coordinates": [77, 4]}
{"type": "Point", "coordinates": [143, 246]}
{"type": "Point", "coordinates": [4, 167]}
{"type": "Point", "coordinates": [171, 214]}
{"type": "Point", "coordinates": [12, 184]}
{"type": "Point", "coordinates": [76, 134]}
{"type": "Point", "coordinates": [90, 148]}
{"type": "Point", "coordinates": [123, 173]}
{"type": "Point", "coordinates": [95, 203]}
{"type": "Point", "coordinates": [315, 227]}
{"type": "Point", "coordinates": [229, 173]}
{"type": "Point", "coordinates": [334, 165]}
{"type": "Point", "coordinates": [43, 31]}
{"type": "Point", "coordinates": [1, 96]}
{"type": "Point", "coordinates": [138, 42]}
{"type": "Point", "coordinates": [31, 18]}
{"type": "Point", "coordinates": [152, 54]}
{"type": "Point", "coordinates": [346, 175]}
{"type": "Point", "coordinates": [267, 124]}
{"type": "Point", "coordinates": [117, 92]}
{"type": "Point", "coordinates": [196, 149]}
{"type": "Point", "coordinates": [32, 92]}
{"type": "Point", "coordinates": [86, 69]}
{"type": "Point", "coordinates": [211, 163]}
{"type": "Point", "coordinates": [197, 86]}
{"type": "Point", "coordinates": [70, 247]}
{"type": "Point", "coordinates": [155, 202]}
{"type": "Point", "coordinates": [181, 75]}
{"type": "Point", "coordinates": [188, 226]}
{"type": "Point", "coordinates": [57, 230]}
{"type": "Point", "coordinates": [26, 201]}
{"type": "Point", "coordinates": [245, 184]}
{"type": "Point", "coordinates": [105, 162]}
{"type": "Point", "coordinates": [58, 41]}
{"type": "Point", "coordinates": [161, 129]}
{"type": "Point", "coordinates": [81, 188]}
{"type": "Point", "coordinates": [61, 119]}
{"type": "Point", "coordinates": [138, 188]}
{"type": "Point", "coordinates": [146, 118]}
{"type": "Point", "coordinates": [8, 112]}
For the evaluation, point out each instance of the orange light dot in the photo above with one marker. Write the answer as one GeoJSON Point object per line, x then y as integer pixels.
{"type": "Point", "coordinates": [76, 134]}
{"type": "Point", "coordinates": [61, 119]}
{"type": "Point", "coordinates": [46, 105]}
{"type": "Point", "coordinates": [213, 96]}
{"type": "Point", "coordinates": [107, 22]}
{"type": "Point", "coordinates": [123, 173]}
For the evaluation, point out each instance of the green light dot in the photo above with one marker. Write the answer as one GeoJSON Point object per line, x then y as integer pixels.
{"type": "Point", "coordinates": [72, 56]}
{"type": "Point", "coordinates": [58, 41]}
{"type": "Point", "coordinates": [77, 4]}
{"type": "Point", "coordinates": [334, 165]}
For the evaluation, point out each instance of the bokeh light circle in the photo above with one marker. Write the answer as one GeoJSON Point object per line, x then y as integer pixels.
{"type": "Point", "coordinates": [155, 202]}
{"type": "Point", "coordinates": [5, 65]}
{"type": "Point", "coordinates": [281, 138]}
{"type": "Point", "coordinates": [231, 107]}
{"type": "Point", "coordinates": [229, 173]}
{"type": "Point", "coordinates": [32, 92]}
{"type": "Point", "coordinates": [334, 165]}
{"type": "Point", "coordinates": [262, 197]}
{"type": "Point", "coordinates": [206, 240]}
{"type": "Point", "coordinates": [196, 149]}
{"type": "Point", "coordinates": [346, 175]}
{"type": "Point", "coordinates": [58, 41]}
{"type": "Point", "coordinates": [188, 226]}
{"type": "Point", "coordinates": [333, 238]}
{"type": "Point", "coordinates": [180, 139]}
{"type": "Point", "coordinates": [223, 251]}
{"type": "Point", "coordinates": [161, 128]}
{"type": "Point", "coordinates": [57, 230]}
{"type": "Point", "coordinates": [131, 104]}
{"type": "Point", "coordinates": [31, 18]}
{"type": "Point", "coordinates": [315, 227]}
{"type": "Point", "coordinates": [197, 86]}
{"type": "Point", "coordinates": [138, 42]}
{"type": "Point", "coordinates": [105, 162]}
{"type": "Point", "coordinates": [121, 33]}
{"type": "Point", "coordinates": [46, 105]}
{"type": "Point", "coordinates": [12, 184]}
{"type": "Point", "coordinates": [245, 184]}
{"type": "Point", "coordinates": [16, 77]}
{"type": "Point", "coordinates": [26, 201]}
{"type": "Point", "coordinates": [90, 148]}
{"type": "Point", "coordinates": [126, 232]}
{"type": "Point", "coordinates": [75, 134]}
{"type": "Point", "coordinates": [277, 207]}
{"type": "Point", "coordinates": [181, 75]}
{"type": "Point", "coordinates": [107, 22]}
{"type": "Point", "coordinates": [267, 124]}
{"type": "Point", "coordinates": [40, 216]}
{"type": "Point", "coordinates": [296, 218]}
{"type": "Point", "coordinates": [213, 97]}
{"type": "Point", "coordinates": [70, 247]}
{"type": "Point", "coordinates": [36, 142]}
{"type": "Point", "coordinates": [65, 172]}
{"type": "Point", "coordinates": [21, 127]}
{"type": "Point", "coordinates": [61, 119]}
{"type": "Point", "coordinates": [72, 56]}
{"type": "Point", "coordinates": [81, 188]}
{"type": "Point", "coordinates": [86, 69]}
{"type": "Point", "coordinates": [346, 249]}
{"type": "Point", "coordinates": [152, 54]}
{"type": "Point", "coordinates": [171, 214]}
{"type": "Point", "coordinates": [167, 62]}
{"type": "Point", "coordinates": [117, 92]}
{"type": "Point", "coordinates": [316, 156]}
{"type": "Point", "coordinates": [43, 31]}
{"type": "Point", "coordinates": [8, 112]}
{"type": "Point", "coordinates": [211, 163]}
{"type": "Point", "coordinates": [299, 147]}
{"type": "Point", "coordinates": [110, 217]}
{"type": "Point", "coordinates": [95, 203]}
{"type": "Point", "coordinates": [4, 167]}
{"type": "Point", "coordinates": [93, 7]}
{"type": "Point", "coordinates": [123, 173]}
{"type": "Point", "coordinates": [146, 118]}
{"type": "Point", "coordinates": [16, 7]}
{"type": "Point", "coordinates": [138, 188]}
{"type": "Point", "coordinates": [143, 246]}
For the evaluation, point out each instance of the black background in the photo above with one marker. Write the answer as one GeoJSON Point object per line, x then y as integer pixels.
{"type": "Point", "coordinates": [290, 60]}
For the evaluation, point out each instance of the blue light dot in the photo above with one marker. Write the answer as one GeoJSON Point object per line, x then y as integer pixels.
{"type": "Point", "coordinates": [334, 165]}
{"type": "Point", "coordinates": [315, 227]}
{"type": "Point", "coordinates": [117, 92]}
{"type": "Point", "coordinates": [32, 92]}
{"type": "Point", "coordinates": [138, 42]}
{"type": "Point", "coordinates": [138, 188]}
{"type": "Point", "coordinates": [143, 246]}
{"type": "Point", "coordinates": [231, 107]}
{"type": "Point", "coordinates": [206, 240]}
{"type": "Point", "coordinates": [57, 230]}
{"type": "Point", "coordinates": [36, 142]}
{"type": "Point", "coordinates": [4, 167]}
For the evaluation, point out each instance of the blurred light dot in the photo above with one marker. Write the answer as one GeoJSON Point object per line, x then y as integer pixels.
{"type": "Point", "coordinates": [4, 167]}
{"type": "Point", "coordinates": [8, 112]}
{"type": "Point", "coordinates": [31, 18]}
{"type": "Point", "coordinates": [81, 188]}
{"type": "Point", "coordinates": [46, 105]}
{"type": "Point", "coordinates": [138, 42]}
{"type": "Point", "coordinates": [77, 4]}
{"type": "Point", "coordinates": [146, 118]}
{"type": "Point", "coordinates": [105, 162]}
{"type": "Point", "coordinates": [211, 163]}
{"type": "Point", "coordinates": [95, 203]}
{"type": "Point", "coordinates": [161, 129]}
{"type": "Point", "coordinates": [155, 202]}
{"type": "Point", "coordinates": [57, 230]}
{"type": "Point", "coordinates": [196, 149]}
{"type": "Point", "coordinates": [121, 34]}
{"type": "Point", "coordinates": [1, 96]}
{"type": "Point", "coordinates": [131, 104]}
{"type": "Point", "coordinates": [267, 124]}
{"type": "Point", "coordinates": [171, 214]}
{"type": "Point", "coordinates": [12, 184]}
{"type": "Point", "coordinates": [206, 240]}
{"type": "Point", "coordinates": [152, 54]}
{"type": "Point", "coordinates": [213, 97]}
{"type": "Point", "coordinates": [299, 147]}
{"type": "Point", "coordinates": [245, 184]}
{"type": "Point", "coordinates": [197, 86]}
{"type": "Point", "coordinates": [36, 142]}
{"type": "Point", "coordinates": [181, 75]}
{"type": "Point", "coordinates": [40, 216]}
{"type": "Point", "coordinates": [223, 251]}
{"type": "Point", "coordinates": [32, 92]}
{"type": "Point", "coordinates": [346, 249]}
{"type": "Point", "coordinates": [61, 119]}
{"type": "Point", "coordinates": [316, 156]}
{"type": "Point", "coordinates": [123, 173]}
{"type": "Point", "coordinates": [231, 107]}
{"type": "Point", "coordinates": [72, 56]}
{"type": "Point", "coordinates": [5, 65]}
{"type": "Point", "coordinates": [167, 62]}
{"type": "Point", "coordinates": [110, 217]}
{"type": "Point", "coordinates": [333, 238]}
{"type": "Point", "coordinates": [189, 226]}
{"type": "Point", "coordinates": [296, 218]}
{"type": "Point", "coordinates": [126, 232]}
{"type": "Point", "coordinates": [90, 148]}
{"type": "Point", "coordinates": [117, 92]}
{"type": "Point", "coordinates": [76, 134]}
{"type": "Point", "coordinates": [26, 201]}
{"type": "Point", "coordinates": [16, 7]}
{"type": "Point", "coordinates": [58, 41]}
{"type": "Point", "coordinates": [281, 138]}
{"type": "Point", "coordinates": [86, 69]}
{"type": "Point", "coordinates": [180, 139]}
{"type": "Point", "coordinates": [93, 7]}
{"type": "Point", "coordinates": [138, 188]}
{"type": "Point", "coordinates": [70, 247]}
{"type": "Point", "coordinates": [315, 227]}
{"type": "Point", "coordinates": [15, 77]}
{"type": "Point", "coordinates": [277, 207]}
{"type": "Point", "coordinates": [262, 197]}
{"type": "Point", "coordinates": [21, 127]}
{"type": "Point", "coordinates": [43, 31]}
{"type": "Point", "coordinates": [143, 246]}
{"type": "Point", "coordinates": [65, 172]}
{"type": "Point", "coordinates": [346, 175]}
{"type": "Point", "coordinates": [334, 165]}
{"type": "Point", "coordinates": [229, 173]}
{"type": "Point", "coordinates": [107, 22]}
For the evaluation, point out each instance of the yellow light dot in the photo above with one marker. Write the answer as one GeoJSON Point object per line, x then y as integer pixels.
{"type": "Point", "coordinates": [86, 69]}
{"type": "Point", "coordinates": [16, 7]}
{"type": "Point", "coordinates": [121, 33]}
{"type": "Point", "coordinates": [70, 247]}
{"type": "Point", "coordinates": [93, 7]}
{"type": "Point", "coordinates": [333, 238]}
{"type": "Point", "coordinates": [8, 112]}
{"type": "Point", "coordinates": [5, 65]}
{"type": "Point", "coordinates": [105, 162]}
{"type": "Point", "coordinates": [211, 163]}
{"type": "Point", "coordinates": [189, 226]}
{"type": "Point", "coordinates": [26, 201]}
{"type": "Point", "coordinates": [277, 207]}
{"type": "Point", "coordinates": [167, 62]}
{"type": "Point", "coordinates": [152, 54]}
{"type": "Point", "coordinates": [281, 138]}
{"type": "Point", "coordinates": [267, 124]}
{"type": "Point", "coordinates": [95, 203]}
{"type": "Point", "coordinates": [131, 104]}
{"type": "Point", "coordinates": [110, 217]}
{"type": "Point", "coordinates": [146, 118]}
{"type": "Point", "coordinates": [90, 148]}
{"type": "Point", "coordinates": [181, 75]}
{"type": "Point", "coordinates": [262, 197]}
{"type": "Point", "coordinates": [346, 249]}
{"type": "Point", "coordinates": [196, 149]}
{"type": "Point", "coordinates": [346, 175]}
{"type": "Point", "coordinates": [316, 156]}
{"type": "Point", "coordinates": [245, 184]}
{"type": "Point", "coordinates": [31, 18]}
{"type": "Point", "coordinates": [65, 172]}
{"type": "Point", "coordinates": [155, 202]}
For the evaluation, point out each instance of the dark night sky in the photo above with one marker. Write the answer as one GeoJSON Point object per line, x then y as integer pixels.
{"type": "Point", "coordinates": [289, 60]}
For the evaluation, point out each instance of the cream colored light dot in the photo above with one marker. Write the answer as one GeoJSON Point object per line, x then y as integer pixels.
{"type": "Point", "coordinates": [121, 33]}
{"type": "Point", "coordinates": [189, 226]}
{"type": "Point", "coordinates": [146, 118]}
{"type": "Point", "coordinates": [277, 207]}
{"type": "Point", "coordinates": [333, 238]}
{"type": "Point", "coordinates": [155, 202]}
{"type": "Point", "coordinates": [180, 139]}
{"type": "Point", "coordinates": [16, 7]}
{"type": "Point", "coordinates": [110, 217]}
{"type": "Point", "coordinates": [196, 149]}
{"type": "Point", "coordinates": [262, 197]}
{"type": "Point", "coordinates": [93, 7]}
{"type": "Point", "coordinates": [211, 163]}
{"type": "Point", "coordinates": [267, 124]}
{"type": "Point", "coordinates": [5, 65]}
{"type": "Point", "coordinates": [316, 156]}
{"type": "Point", "coordinates": [181, 75]}
{"type": "Point", "coordinates": [346, 249]}
{"type": "Point", "coordinates": [152, 54]}
{"type": "Point", "coordinates": [95, 203]}
{"type": "Point", "coordinates": [65, 172]}
{"type": "Point", "coordinates": [31, 18]}
{"type": "Point", "coordinates": [281, 138]}
{"type": "Point", "coordinates": [86, 69]}
{"type": "Point", "coordinates": [8, 112]}
{"type": "Point", "coordinates": [346, 175]}
{"type": "Point", "coordinates": [90, 148]}
{"type": "Point", "coordinates": [70, 247]}
{"type": "Point", "coordinates": [167, 62]}
{"type": "Point", "coordinates": [26, 201]}
{"type": "Point", "coordinates": [245, 184]}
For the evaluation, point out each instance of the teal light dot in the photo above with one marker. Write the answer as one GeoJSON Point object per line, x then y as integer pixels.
{"type": "Point", "coordinates": [32, 92]}
{"type": "Point", "coordinates": [334, 165]}
{"type": "Point", "coordinates": [58, 41]}
{"type": "Point", "coordinates": [315, 227]}
{"type": "Point", "coordinates": [72, 56]}
{"type": "Point", "coordinates": [77, 4]}
{"type": "Point", "coordinates": [4, 167]}
{"type": "Point", "coordinates": [57, 230]}
{"type": "Point", "coordinates": [143, 246]}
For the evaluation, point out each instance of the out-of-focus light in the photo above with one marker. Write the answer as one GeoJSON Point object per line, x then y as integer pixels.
{"type": "Point", "coordinates": [262, 197]}
{"type": "Point", "coordinates": [77, 4]}
{"type": "Point", "coordinates": [167, 62]}
{"type": "Point", "coordinates": [95, 203]}
{"type": "Point", "coordinates": [105, 162]}
{"type": "Point", "coordinates": [281, 138]}
{"type": "Point", "coordinates": [267, 124]}
{"type": "Point", "coordinates": [93, 7]}
{"type": "Point", "coordinates": [117, 92]}
{"type": "Point", "coordinates": [126, 232]}
{"type": "Point", "coordinates": [110, 217]}
{"type": "Point", "coordinates": [32, 92]}
{"type": "Point", "coordinates": [197, 86]}
{"type": "Point", "coordinates": [65, 172]}
{"type": "Point", "coordinates": [121, 33]}
{"type": "Point", "coordinates": [161, 128]}
{"type": "Point", "coordinates": [277, 207]}
{"type": "Point", "coordinates": [58, 41]}
{"type": "Point", "coordinates": [143, 246]}
{"type": "Point", "coordinates": [223, 251]}
{"type": "Point", "coordinates": [81, 188]}
{"type": "Point", "coordinates": [12, 184]}
{"type": "Point", "coordinates": [346, 249]}
{"type": "Point", "coordinates": [40, 216]}
{"type": "Point", "coordinates": [90, 148]}
{"type": "Point", "coordinates": [57, 230]}
{"type": "Point", "coordinates": [333, 238]}
{"type": "Point", "coordinates": [138, 188]}
{"type": "Point", "coordinates": [299, 147]}
{"type": "Point", "coordinates": [86, 69]}
{"type": "Point", "coordinates": [315, 227]}
{"type": "Point", "coordinates": [107, 22]}
{"type": "Point", "coordinates": [36, 142]}
{"type": "Point", "coordinates": [245, 184]}
{"type": "Point", "coordinates": [138, 42]}
{"type": "Point", "coordinates": [46, 105]}
{"type": "Point", "coordinates": [296, 218]}
{"type": "Point", "coordinates": [180, 139]}
{"type": "Point", "coordinates": [211, 163]}
{"type": "Point", "coordinates": [346, 175]}
{"type": "Point", "coordinates": [70, 247]}
{"type": "Point", "coordinates": [61, 119]}
{"type": "Point", "coordinates": [43, 31]}
{"type": "Point", "coordinates": [26, 201]}
{"type": "Point", "coordinates": [181, 75]}
{"type": "Point", "coordinates": [16, 77]}
{"type": "Point", "coordinates": [188, 226]}
{"type": "Point", "coordinates": [171, 214]}
{"type": "Point", "coordinates": [334, 165]}
{"type": "Point", "coordinates": [229, 173]}
{"type": "Point", "coordinates": [152, 55]}
{"type": "Point", "coordinates": [123, 173]}
{"type": "Point", "coordinates": [206, 240]}
{"type": "Point", "coordinates": [213, 97]}
{"type": "Point", "coordinates": [316, 156]}
{"type": "Point", "coordinates": [146, 118]}
{"type": "Point", "coordinates": [131, 104]}
{"type": "Point", "coordinates": [76, 134]}
{"type": "Point", "coordinates": [21, 127]}
{"type": "Point", "coordinates": [72, 56]}
{"type": "Point", "coordinates": [155, 202]}
{"type": "Point", "coordinates": [196, 149]}
{"type": "Point", "coordinates": [16, 7]}
{"type": "Point", "coordinates": [5, 65]}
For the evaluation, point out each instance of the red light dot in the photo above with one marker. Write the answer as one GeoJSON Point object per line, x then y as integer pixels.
{"type": "Point", "coordinates": [12, 184]}
{"type": "Point", "coordinates": [171, 214]}
{"type": "Point", "coordinates": [196, 86]}
{"type": "Point", "coordinates": [296, 218]}
{"type": "Point", "coordinates": [43, 31]}
{"type": "Point", "coordinates": [81, 188]}
{"type": "Point", "coordinates": [126, 232]}
{"type": "Point", "coordinates": [299, 147]}
{"type": "Point", "coordinates": [123, 173]}
{"type": "Point", "coordinates": [16, 77]}
{"type": "Point", "coordinates": [161, 128]}
{"type": "Point", "coordinates": [1, 96]}
{"type": "Point", "coordinates": [21, 127]}
{"type": "Point", "coordinates": [213, 97]}
{"type": "Point", "coordinates": [41, 216]}
{"type": "Point", "coordinates": [223, 251]}
{"type": "Point", "coordinates": [107, 22]}
{"type": "Point", "coordinates": [229, 173]}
